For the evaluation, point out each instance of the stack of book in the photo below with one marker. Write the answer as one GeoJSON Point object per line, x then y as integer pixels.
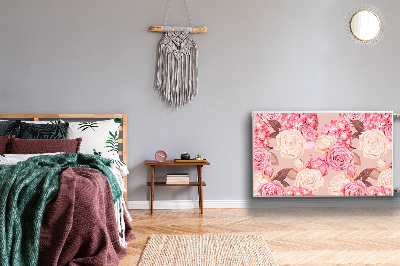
{"type": "Point", "coordinates": [177, 178]}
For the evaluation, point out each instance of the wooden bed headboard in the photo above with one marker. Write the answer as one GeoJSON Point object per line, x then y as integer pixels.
{"type": "Point", "coordinates": [123, 138]}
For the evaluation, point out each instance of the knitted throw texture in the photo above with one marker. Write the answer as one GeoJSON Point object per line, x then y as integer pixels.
{"type": "Point", "coordinates": [25, 190]}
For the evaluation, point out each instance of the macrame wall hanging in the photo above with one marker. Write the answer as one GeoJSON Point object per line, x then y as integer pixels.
{"type": "Point", "coordinates": [176, 77]}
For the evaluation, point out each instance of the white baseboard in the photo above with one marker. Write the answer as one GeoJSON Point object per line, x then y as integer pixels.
{"type": "Point", "coordinates": [272, 203]}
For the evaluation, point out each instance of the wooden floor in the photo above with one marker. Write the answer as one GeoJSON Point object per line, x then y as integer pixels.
{"type": "Point", "coordinates": [296, 236]}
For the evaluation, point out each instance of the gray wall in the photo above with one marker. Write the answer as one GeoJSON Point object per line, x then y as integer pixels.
{"type": "Point", "coordinates": [98, 57]}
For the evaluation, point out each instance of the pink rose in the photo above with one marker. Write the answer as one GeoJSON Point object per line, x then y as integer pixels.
{"type": "Point", "coordinates": [309, 133]}
{"type": "Point", "coordinates": [262, 159]}
{"type": "Point", "coordinates": [268, 171]}
{"type": "Point", "coordinates": [318, 164]}
{"type": "Point", "coordinates": [356, 188]}
{"type": "Point", "coordinates": [351, 171]}
{"type": "Point", "coordinates": [339, 158]}
{"type": "Point", "coordinates": [273, 188]}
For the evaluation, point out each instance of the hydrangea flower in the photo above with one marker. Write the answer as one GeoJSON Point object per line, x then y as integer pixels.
{"type": "Point", "coordinates": [299, 191]}
{"type": "Point", "coordinates": [339, 129]}
{"type": "Point", "coordinates": [381, 121]}
{"type": "Point", "coordinates": [261, 134]}
{"type": "Point", "coordinates": [298, 121]}
{"type": "Point", "coordinates": [380, 191]}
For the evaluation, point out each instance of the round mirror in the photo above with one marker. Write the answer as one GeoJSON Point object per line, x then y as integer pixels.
{"type": "Point", "coordinates": [365, 25]}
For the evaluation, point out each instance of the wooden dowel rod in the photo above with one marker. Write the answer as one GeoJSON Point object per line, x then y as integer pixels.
{"type": "Point", "coordinates": [191, 30]}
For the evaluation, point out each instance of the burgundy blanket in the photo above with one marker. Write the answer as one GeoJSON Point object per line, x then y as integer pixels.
{"type": "Point", "coordinates": [79, 227]}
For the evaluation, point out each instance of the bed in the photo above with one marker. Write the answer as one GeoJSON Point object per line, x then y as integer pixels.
{"type": "Point", "coordinates": [66, 206]}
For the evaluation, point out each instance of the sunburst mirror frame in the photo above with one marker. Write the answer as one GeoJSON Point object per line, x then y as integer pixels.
{"type": "Point", "coordinates": [350, 32]}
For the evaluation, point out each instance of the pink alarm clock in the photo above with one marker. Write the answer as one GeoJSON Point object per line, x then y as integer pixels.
{"type": "Point", "coordinates": [161, 156]}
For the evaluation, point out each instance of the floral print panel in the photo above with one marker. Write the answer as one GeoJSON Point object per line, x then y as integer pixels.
{"type": "Point", "coordinates": [322, 154]}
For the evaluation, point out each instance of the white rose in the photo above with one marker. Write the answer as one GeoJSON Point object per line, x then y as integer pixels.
{"type": "Point", "coordinates": [298, 165]}
{"type": "Point", "coordinates": [324, 143]}
{"type": "Point", "coordinates": [336, 183]}
{"type": "Point", "coordinates": [309, 178]}
{"type": "Point", "coordinates": [290, 143]}
{"type": "Point", "coordinates": [382, 165]}
{"type": "Point", "coordinates": [373, 143]}
{"type": "Point", "coordinates": [385, 179]}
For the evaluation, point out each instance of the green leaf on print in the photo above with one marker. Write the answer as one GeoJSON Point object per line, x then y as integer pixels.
{"type": "Point", "coordinates": [118, 120]}
{"type": "Point", "coordinates": [357, 159]}
{"type": "Point", "coordinates": [96, 153]}
{"type": "Point", "coordinates": [56, 122]}
{"type": "Point", "coordinates": [282, 174]}
{"type": "Point", "coordinates": [368, 173]}
{"type": "Point", "coordinates": [274, 159]}
{"type": "Point", "coordinates": [367, 184]}
{"type": "Point", "coordinates": [274, 134]}
{"type": "Point", "coordinates": [356, 135]}
{"type": "Point", "coordinates": [358, 125]}
{"type": "Point", "coordinates": [118, 162]}
{"type": "Point", "coordinates": [2, 155]}
{"type": "Point", "coordinates": [112, 142]}
{"type": "Point", "coordinates": [284, 183]}
{"type": "Point", "coordinates": [85, 125]}
{"type": "Point", "coordinates": [275, 125]}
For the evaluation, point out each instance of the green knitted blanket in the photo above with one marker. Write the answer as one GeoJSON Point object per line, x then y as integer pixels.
{"type": "Point", "coordinates": [25, 190]}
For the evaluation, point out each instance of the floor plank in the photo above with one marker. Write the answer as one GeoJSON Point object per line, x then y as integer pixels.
{"type": "Point", "coordinates": [296, 236]}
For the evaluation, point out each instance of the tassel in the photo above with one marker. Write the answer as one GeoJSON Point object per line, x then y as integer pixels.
{"type": "Point", "coordinates": [177, 69]}
{"type": "Point", "coordinates": [120, 207]}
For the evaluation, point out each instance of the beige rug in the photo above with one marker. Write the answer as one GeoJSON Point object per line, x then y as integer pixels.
{"type": "Point", "coordinates": [206, 250]}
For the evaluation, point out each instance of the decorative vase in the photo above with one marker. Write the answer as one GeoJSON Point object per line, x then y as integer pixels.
{"type": "Point", "coordinates": [185, 156]}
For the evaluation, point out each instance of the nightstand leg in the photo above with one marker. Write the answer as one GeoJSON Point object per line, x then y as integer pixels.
{"type": "Point", "coordinates": [152, 187]}
{"type": "Point", "coordinates": [200, 180]}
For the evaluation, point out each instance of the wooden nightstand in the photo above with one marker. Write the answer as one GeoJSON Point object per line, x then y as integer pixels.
{"type": "Point", "coordinates": [199, 184]}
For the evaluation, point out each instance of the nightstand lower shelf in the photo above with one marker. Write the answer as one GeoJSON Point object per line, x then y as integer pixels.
{"type": "Point", "coordinates": [199, 184]}
{"type": "Point", "coordinates": [164, 184]}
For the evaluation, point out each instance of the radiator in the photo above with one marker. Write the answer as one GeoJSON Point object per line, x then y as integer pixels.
{"type": "Point", "coordinates": [322, 154]}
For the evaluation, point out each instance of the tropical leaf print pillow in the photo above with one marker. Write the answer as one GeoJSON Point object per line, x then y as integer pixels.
{"type": "Point", "coordinates": [322, 154]}
{"type": "Point", "coordinates": [43, 131]}
{"type": "Point", "coordinates": [98, 137]}
{"type": "Point", "coordinates": [10, 127]}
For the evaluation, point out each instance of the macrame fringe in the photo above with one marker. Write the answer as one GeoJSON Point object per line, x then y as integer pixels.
{"type": "Point", "coordinates": [177, 68]}
{"type": "Point", "coordinates": [120, 209]}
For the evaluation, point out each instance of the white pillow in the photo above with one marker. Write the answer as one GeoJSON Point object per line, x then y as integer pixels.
{"type": "Point", "coordinates": [98, 137]}
{"type": "Point", "coordinates": [45, 122]}
{"type": "Point", "coordinates": [40, 122]}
